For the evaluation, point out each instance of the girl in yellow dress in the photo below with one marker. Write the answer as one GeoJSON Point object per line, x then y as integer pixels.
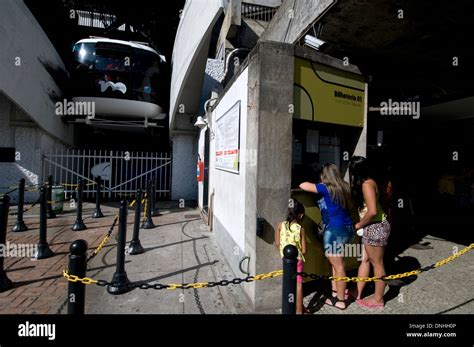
{"type": "Point", "coordinates": [290, 232]}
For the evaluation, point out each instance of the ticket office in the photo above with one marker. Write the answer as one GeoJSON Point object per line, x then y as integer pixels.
{"type": "Point", "coordinates": [328, 120]}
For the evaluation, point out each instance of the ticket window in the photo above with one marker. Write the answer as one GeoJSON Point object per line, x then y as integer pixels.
{"type": "Point", "coordinates": [314, 145]}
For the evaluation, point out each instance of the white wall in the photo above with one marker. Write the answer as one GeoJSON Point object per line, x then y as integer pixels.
{"type": "Point", "coordinates": [229, 188]}
{"type": "Point", "coordinates": [29, 84]}
{"type": "Point", "coordinates": [30, 142]}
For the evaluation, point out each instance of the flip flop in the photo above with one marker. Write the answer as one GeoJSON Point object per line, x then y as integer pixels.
{"type": "Point", "coordinates": [364, 304]}
{"type": "Point", "coordinates": [335, 300]}
{"type": "Point", "coordinates": [347, 295]}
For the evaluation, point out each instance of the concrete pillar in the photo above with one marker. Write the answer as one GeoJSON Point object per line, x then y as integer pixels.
{"type": "Point", "coordinates": [271, 75]}
{"type": "Point", "coordinates": [293, 18]}
{"type": "Point", "coordinates": [183, 179]}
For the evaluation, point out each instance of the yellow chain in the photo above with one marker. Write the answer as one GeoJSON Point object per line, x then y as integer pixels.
{"type": "Point", "coordinates": [404, 274]}
{"type": "Point", "coordinates": [104, 240]}
{"type": "Point", "coordinates": [197, 285]}
{"type": "Point", "coordinates": [267, 275]}
{"type": "Point", "coordinates": [173, 286]}
{"type": "Point", "coordinates": [75, 185]}
{"type": "Point", "coordinates": [101, 244]}
{"type": "Point", "coordinates": [68, 185]}
{"type": "Point", "coordinates": [74, 278]}
{"type": "Point", "coordinates": [145, 209]}
{"type": "Point", "coordinates": [454, 256]}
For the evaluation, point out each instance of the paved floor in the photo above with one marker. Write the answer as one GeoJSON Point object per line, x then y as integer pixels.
{"type": "Point", "coordinates": [448, 289]}
{"type": "Point", "coordinates": [182, 250]}
{"type": "Point", "coordinates": [38, 284]}
{"type": "Point", "coordinates": [179, 250]}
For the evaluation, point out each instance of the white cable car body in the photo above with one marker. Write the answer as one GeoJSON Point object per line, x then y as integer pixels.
{"type": "Point", "coordinates": [121, 78]}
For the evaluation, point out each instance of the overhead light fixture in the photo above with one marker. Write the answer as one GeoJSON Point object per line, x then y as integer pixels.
{"type": "Point", "coordinates": [314, 42]}
{"type": "Point", "coordinates": [201, 122]}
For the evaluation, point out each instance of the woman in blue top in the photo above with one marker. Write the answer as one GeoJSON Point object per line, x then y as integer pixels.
{"type": "Point", "coordinates": [334, 203]}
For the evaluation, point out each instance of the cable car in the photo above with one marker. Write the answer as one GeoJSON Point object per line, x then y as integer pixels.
{"type": "Point", "coordinates": [121, 78]}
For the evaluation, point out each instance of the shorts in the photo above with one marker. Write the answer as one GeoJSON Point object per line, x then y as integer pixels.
{"type": "Point", "coordinates": [299, 268]}
{"type": "Point", "coordinates": [376, 234]}
{"type": "Point", "coordinates": [334, 239]}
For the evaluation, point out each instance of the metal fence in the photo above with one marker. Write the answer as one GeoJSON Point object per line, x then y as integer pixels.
{"type": "Point", "coordinates": [123, 172]}
{"type": "Point", "coordinates": [258, 12]}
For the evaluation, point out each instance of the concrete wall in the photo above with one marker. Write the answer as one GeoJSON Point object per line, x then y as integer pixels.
{"type": "Point", "coordinates": [183, 182]}
{"type": "Point", "coordinates": [269, 3]}
{"type": "Point", "coordinates": [29, 141]}
{"type": "Point", "coordinates": [293, 18]}
{"type": "Point", "coordinates": [190, 53]}
{"type": "Point", "coordinates": [25, 58]}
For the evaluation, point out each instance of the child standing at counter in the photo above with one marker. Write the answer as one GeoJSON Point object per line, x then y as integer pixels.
{"type": "Point", "coordinates": [335, 204]}
{"type": "Point", "coordinates": [290, 232]}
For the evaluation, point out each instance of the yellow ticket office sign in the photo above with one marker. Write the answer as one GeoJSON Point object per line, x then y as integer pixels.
{"type": "Point", "coordinates": [325, 94]}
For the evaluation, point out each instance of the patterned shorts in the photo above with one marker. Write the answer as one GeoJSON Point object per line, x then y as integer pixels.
{"type": "Point", "coordinates": [376, 234]}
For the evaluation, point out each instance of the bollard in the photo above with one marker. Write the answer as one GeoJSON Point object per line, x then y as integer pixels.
{"type": "Point", "coordinates": [20, 224]}
{"type": "Point", "coordinates": [5, 282]}
{"type": "Point", "coordinates": [135, 246]}
{"type": "Point", "coordinates": [288, 304]}
{"type": "Point", "coordinates": [149, 221]}
{"type": "Point", "coordinates": [76, 291]}
{"type": "Point", "coordinates": [79, 223]}
{"type": "Point", "coordinates": [98, 213]}
{"type": "Point", "coordinates": [120, 280]}
{"type": "Point", "coordinates": [43, 251]}
{"type": "Point", "coordinates": [51, 213]}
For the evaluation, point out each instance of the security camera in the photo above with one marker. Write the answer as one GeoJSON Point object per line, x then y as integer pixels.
{"type": "Point", "coordinates": [314, 42]}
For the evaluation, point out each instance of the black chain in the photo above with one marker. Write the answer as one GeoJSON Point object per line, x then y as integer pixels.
{"type": "Point", "coordinates": [312, 276]}
{"type": "Point", "coordinates": [10, 191]}
{"type": "Point", "coordinates": [26, 209]}
{"type": "Point", "coordinates": [427, 268]}
{"type": "Point", "coordinates": [159, 286]}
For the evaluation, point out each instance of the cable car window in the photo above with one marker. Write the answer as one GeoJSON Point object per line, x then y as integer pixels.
{"type": "Point", "coordinates": [112, 66]}
{"type": "Point", "coordinates": [145, 74]}
{"type": "Point", "coordinates": [84, 53]}
{"type": "Point", "coordinates": [113, 70]}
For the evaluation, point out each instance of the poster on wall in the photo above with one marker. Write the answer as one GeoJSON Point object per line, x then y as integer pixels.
{"type": "Point", "coordinates": [227, 140]}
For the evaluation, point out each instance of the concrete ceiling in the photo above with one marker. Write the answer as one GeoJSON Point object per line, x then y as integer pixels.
{"type": "Point", "coordinates": [410, 56]}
